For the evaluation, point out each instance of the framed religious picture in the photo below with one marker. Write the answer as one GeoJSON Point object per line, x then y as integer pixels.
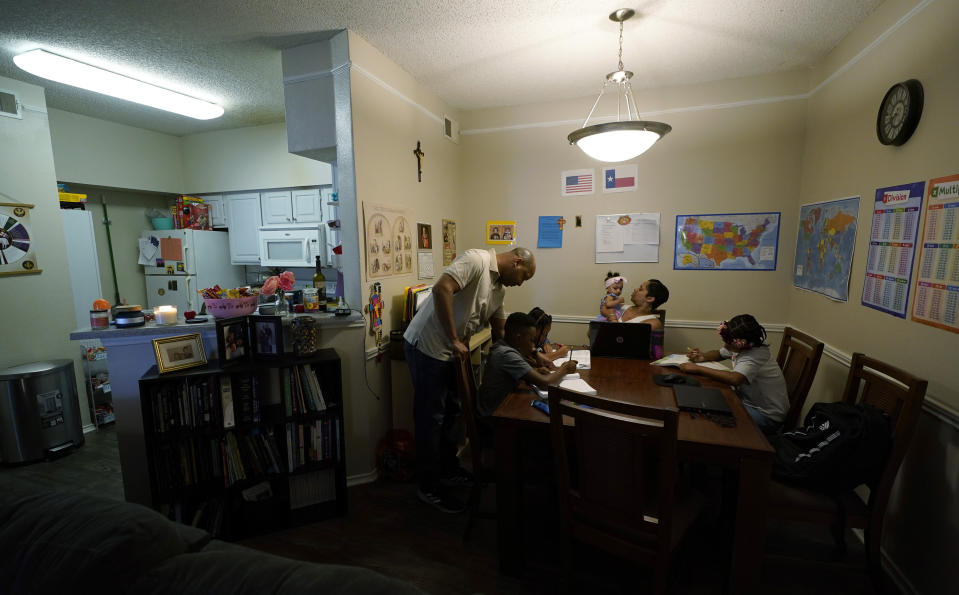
{"type": "Point", "coordinates": [500, 232]}
{"type": "Point", "coordinates": [177, 353]}
{"type": "Point", "coordinates": [17, 242]}
{"type": "Point", "coordinates": [424, 236]}
{"type": "Point", "coordinates": [266, 336]}
{"type": "Point", "coordinates": [232, 340]}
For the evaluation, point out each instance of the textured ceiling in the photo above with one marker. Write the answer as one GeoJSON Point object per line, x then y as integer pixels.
{"type": "Point", "coordinates": [481, 53]}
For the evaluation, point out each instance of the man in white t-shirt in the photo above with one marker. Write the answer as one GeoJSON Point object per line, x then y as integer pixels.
{"type": "Point", "coordinates": [468, 296]}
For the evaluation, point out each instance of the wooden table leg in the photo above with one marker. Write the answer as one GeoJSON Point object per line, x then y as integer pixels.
{"type": "Point", "coordinates": [509, 500]}
{"type": "Point", "coordinates": [748, 541]}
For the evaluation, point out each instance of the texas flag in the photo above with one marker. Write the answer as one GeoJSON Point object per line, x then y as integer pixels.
{"type": "Point", "coordinates": [621, 178]}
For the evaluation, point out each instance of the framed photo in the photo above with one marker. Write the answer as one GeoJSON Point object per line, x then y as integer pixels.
{"type": "Point", "coordinates": [266, 336]}
{"type": "Point", "coordinates": [424, 236]}
{"type": "Point", "coordinates": [500, 232]}
{"type": "Point", "coordinates": [232, 340]}
{"type": "Point", "coordinates": [177, 353]}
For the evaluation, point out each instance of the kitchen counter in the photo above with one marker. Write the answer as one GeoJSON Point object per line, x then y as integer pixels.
{"type": "Point", "coordinates": [152, 329]}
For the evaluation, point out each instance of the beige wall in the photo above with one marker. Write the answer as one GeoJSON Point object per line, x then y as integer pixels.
{"type": "Point", "coordinates": [386, 127]}
{"type": "Point", "coordinates": [739, 159]}
{"type": "Point", "coordinates": [247, 159]}
{"type": "Point", "coordinates": [27, 175]}
{"type": "Point", "coordinates": [92, 151]}
{"type": "Point", "coordinates": [127, 215]}
{"type": "Point", "coordinates": [842, 157]}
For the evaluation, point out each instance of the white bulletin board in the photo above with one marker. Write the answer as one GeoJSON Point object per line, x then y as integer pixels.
{"type": "Point", "coordinates": [627, 237]}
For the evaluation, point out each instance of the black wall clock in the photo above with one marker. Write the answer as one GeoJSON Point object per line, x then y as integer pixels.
{"type": "Point", "coordinates": [899, 113]}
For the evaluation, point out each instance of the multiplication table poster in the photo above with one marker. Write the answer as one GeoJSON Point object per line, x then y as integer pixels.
{"type": "Point", "coordinates": [937, 290]}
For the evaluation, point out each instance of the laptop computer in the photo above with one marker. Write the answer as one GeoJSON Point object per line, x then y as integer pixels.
{"type": "Point", "coordinates": [701, 400]}
{"type": "Point", "coordinates": [617, 339]}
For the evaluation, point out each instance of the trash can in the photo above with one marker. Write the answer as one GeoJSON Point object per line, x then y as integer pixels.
{"type": "Point", "coordinates": [39, 410]}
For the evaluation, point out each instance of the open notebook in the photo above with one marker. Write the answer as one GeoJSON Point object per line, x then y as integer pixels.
{"type": "Point", "coordinates": [680, 358]}
{"type": "Point", "coordinates": [571, 382]}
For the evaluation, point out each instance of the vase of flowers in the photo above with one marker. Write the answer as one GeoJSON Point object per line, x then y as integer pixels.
{"type": "Point", "coordinates": [279, 284]}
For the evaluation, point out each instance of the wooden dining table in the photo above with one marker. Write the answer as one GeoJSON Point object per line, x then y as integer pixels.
{"type": "Point", "coordinates": [741, 449]}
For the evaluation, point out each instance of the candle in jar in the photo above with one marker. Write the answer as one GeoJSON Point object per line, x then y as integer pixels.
{"type": "Point", "coordinates": [165, 314]}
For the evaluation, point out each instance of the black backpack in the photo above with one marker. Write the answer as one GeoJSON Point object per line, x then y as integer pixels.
{"type": "Point", "coordinates": [839, 447]}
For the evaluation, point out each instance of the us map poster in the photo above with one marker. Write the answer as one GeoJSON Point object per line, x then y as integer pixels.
{"type": "Point", "coordinates": [937, 290]}
{"type": "Point", "coordinates": [892, 246]}
{"type": "Point", "coordinates": [727, 242]}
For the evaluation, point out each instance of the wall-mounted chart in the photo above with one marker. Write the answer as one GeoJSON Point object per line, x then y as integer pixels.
{"type": "Point", "coordinates": [937, 291]}
{"type": "Point", "coordinates": [17, 242]}
{"type": "Point", "coordinates": [727, 242]}
{"type": "Point", "coordinates": [824, 247]}
{"type": "Point", "coordinates": [389, 241]}
{"type": "Point", "coordinates": [892, 245]}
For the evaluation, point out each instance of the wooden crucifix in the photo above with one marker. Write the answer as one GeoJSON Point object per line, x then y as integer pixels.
{"type": "Point", "coordinates": [419, 162]}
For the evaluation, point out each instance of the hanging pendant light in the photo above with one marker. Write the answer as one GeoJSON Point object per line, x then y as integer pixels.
{"type": "Point", "coordinates": [624, 138]}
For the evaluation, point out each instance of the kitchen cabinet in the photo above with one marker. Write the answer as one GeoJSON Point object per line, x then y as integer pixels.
{"type": "Point", "coordinates": [286, 207]}
{"type": "Point", "coordinates": [218, 218]}
{"type": "Point", "coordinates": [243, 213]}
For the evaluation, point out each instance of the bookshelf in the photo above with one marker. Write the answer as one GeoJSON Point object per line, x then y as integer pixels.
{"type": "Point", "coordinates": [247, 449]}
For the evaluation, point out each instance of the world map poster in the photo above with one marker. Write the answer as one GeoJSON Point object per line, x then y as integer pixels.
{"type": "Point", "coordinates": [733, 242]}
{"type": "Point", "coordinates": [824, 247]}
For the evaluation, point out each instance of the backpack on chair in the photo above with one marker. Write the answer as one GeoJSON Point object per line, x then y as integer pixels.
{"type": "Point", "coordinates": [839, 447]}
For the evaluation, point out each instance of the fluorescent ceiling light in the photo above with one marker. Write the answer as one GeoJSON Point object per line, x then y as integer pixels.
{"type": "Point", "coordinates": [70, 72]}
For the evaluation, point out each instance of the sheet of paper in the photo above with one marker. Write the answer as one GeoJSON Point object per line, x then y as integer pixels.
{"type": "Point", "coordinates": [581, 356]}
{"type": "Point", "coordinates": [171, 249]}
{"type": "Point", "coordinates": [148, 252]}
{"type": "Point", "coordinates": [680, 358]}
{"type": "Point", "coordinates": [643, 229]}
{"type": "Point", "coordinates": [578, 385]}
{"type": "Point", "coordinates": [425, 261]}
{"type": "Point", "coordinates": [550, 232]}
{"type": "Point", "coordinates": [609, 236]}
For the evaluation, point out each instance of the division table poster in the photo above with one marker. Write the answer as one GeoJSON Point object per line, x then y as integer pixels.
{"type": "Point", "coordinates": [937, 290]}
{"type": "Point", "coordinates": [892, 246]}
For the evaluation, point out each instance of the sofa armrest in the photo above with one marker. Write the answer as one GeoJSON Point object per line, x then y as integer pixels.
{"type": "Point", "coordinates": [228, 568]}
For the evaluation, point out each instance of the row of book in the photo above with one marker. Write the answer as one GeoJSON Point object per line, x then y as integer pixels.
{"type": "Point", "coordinates": [312, 488]}
{"type": "Point", "coordinates": [226, 460]}
{"type": "Point", "coordinates": [301, 391]}
{"type": "Point", "coordinates": [186, 405]}
{"type": "Point", "coordinates": [207, 404]}
{"type": "Point", "coordinates": [312, 442]}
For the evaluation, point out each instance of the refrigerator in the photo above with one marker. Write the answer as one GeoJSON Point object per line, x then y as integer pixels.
{"type": "Point", "coordinates": [180, 262]}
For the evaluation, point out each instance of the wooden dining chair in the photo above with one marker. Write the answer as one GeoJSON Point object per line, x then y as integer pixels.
{"type": "Point", "coordinates": [798, 358]}
{"type": "Point", "coordinates": [899, 394]}
{"type": "Point", "coordinates": [661, 312]}
{"type": "Point", "coordinates": [623, 499]}
{"type": "Point", "coordinates": [482, 473]}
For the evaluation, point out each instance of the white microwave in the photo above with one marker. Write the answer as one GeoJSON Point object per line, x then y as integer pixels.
{"type": "Point", "coordinates": [290, 246]}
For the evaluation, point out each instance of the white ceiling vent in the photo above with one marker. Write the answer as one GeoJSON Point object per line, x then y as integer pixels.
{"type": "Point", "coordinates": [9, 106]}
{"type": "Point", "coordinates": [451, 129]}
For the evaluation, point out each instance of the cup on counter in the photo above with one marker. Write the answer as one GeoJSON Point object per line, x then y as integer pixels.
{"type": "Point", "coordinates": [99, 319]}
{"type": "Point", "coordinates": [165, 314]}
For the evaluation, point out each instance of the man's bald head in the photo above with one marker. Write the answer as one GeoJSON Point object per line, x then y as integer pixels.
{"type": "Point", "coordinates": [516, 266]}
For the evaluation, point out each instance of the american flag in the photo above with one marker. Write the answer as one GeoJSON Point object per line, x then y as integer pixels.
{"type": "Point", "coordinates": [577, 182]}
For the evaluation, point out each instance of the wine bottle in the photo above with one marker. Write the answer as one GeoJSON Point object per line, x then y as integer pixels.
{"type": "Point", "coordinates": [319, 282]}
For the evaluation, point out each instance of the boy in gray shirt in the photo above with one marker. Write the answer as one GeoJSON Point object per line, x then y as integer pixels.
{"type": "Point", "coordinates": [509, 363]}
